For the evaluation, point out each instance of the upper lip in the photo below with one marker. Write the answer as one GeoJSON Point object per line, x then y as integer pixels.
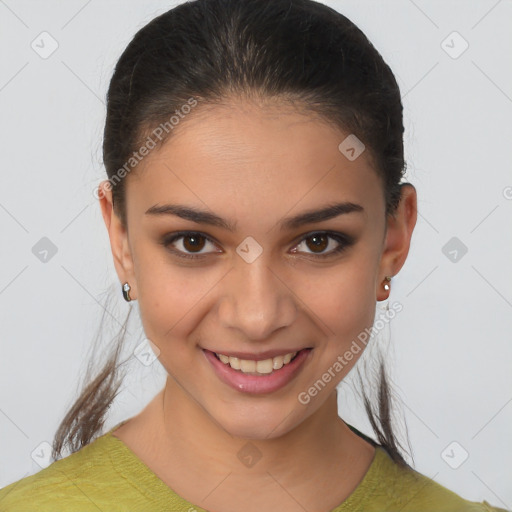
{"type": "Point", "coordinates": [260, 356]}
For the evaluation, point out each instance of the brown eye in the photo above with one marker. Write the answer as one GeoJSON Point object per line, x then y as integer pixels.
{"type": "Point", "coordinates": [193, 242]}
{"type": "Point", "coordinates": [188, 244]}
{"type": "Point", "coordinates": [317, 243]}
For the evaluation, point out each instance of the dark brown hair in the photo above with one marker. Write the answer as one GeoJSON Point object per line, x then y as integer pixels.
{"type": "Point", "coordinates": [296, 51]}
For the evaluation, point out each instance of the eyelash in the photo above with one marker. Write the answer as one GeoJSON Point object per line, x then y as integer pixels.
{"type": "Point", "coordinates": [344, 240]}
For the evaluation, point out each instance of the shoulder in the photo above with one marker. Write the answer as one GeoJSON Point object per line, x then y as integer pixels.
{"type": "Point", "coordinates": [403, 488]}
{"type": "Point", "coordinates": [81, 481]}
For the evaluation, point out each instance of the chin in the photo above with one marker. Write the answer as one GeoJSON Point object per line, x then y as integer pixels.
{"type": "Point", "coordinates": [271, 424]}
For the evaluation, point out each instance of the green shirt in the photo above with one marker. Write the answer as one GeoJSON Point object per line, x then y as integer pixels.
{"type": "Point", "coordinates": [107, 476]}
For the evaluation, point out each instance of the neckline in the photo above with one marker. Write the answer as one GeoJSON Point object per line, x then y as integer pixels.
{"type": "Point", "coordinates": [142, 477]}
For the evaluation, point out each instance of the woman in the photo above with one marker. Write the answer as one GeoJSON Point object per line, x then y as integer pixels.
{"type": "Point", "coordinates": [256, 212]}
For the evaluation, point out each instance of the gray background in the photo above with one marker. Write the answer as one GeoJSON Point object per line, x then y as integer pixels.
{"type": "Point", "coordinates": [450, 347]}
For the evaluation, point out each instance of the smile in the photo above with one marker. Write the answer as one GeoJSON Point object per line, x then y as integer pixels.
{"type": "Point", "coordinates": [258, 376]}
{"type": "Point", "coordinates": [253, 367]}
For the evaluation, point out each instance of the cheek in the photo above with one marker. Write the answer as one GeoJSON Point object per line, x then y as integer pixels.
{"type": "Point", "coordinates": [168, 295]}
{"type": "Point", "coordinates": [346, 310]}
{"type": "Point", "coordinates": [342, 299]}
{"type": "Point", "coordinates": [168, 301]}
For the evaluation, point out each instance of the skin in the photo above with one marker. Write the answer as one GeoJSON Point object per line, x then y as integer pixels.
{"type": "Point", "coordinates": [255, 164]}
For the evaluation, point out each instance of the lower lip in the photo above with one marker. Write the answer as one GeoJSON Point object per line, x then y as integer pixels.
{"type": "Point", "coordinates": [266, 383]}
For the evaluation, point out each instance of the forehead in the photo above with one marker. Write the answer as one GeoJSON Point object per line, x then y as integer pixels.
{"type": "Point", "coordinates": [244, 158]}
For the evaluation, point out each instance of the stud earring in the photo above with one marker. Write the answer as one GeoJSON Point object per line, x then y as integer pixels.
{"type": "Point", "coordinates": [126, 292]}
{"type": "Point", "coordinates": [387, 280]}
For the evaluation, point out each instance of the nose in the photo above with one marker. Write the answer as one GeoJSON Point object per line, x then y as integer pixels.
{"type": "Point", "coordinates": [256, 301]}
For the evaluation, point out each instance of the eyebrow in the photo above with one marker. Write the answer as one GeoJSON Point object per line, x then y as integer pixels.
{"type": "Point", "coordinates": [205, 217]}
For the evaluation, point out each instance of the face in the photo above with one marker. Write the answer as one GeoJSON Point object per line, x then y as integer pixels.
{"type": "Point", "coordinates": [265, 284]}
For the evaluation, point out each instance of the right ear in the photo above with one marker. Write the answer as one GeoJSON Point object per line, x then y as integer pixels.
{"type": "Point", "coordinates": [118, 235]}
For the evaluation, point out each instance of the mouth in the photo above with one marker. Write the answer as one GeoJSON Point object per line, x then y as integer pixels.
{"type": "Point", "coordinates": [259, 376]}
{"type": "Point", "coordinates": [258, 366]}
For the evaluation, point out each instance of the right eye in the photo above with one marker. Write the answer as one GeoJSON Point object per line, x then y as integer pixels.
{"type": "Point", "coordinates": [189, 241]}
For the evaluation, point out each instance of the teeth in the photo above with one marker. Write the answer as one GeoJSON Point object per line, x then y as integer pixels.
{"type": "Point", "coordinates": [259, 367]}
{"type": "Point", "coordinates": [223, 358]}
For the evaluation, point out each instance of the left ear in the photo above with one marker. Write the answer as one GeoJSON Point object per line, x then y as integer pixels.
{"type": "Point", "coordinates": [400, 226]}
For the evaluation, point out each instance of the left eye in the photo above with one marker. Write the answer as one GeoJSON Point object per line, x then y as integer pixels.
{"type": "Point", "coordinates": [193, 242]}
{"type": "Point", "coordinates": [321, 241]}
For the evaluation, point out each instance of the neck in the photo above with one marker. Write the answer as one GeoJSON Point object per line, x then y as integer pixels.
{"type": "Point", "coordinates": [318, 444]}
{"type": "Point", "coordinates": [318, 464]}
